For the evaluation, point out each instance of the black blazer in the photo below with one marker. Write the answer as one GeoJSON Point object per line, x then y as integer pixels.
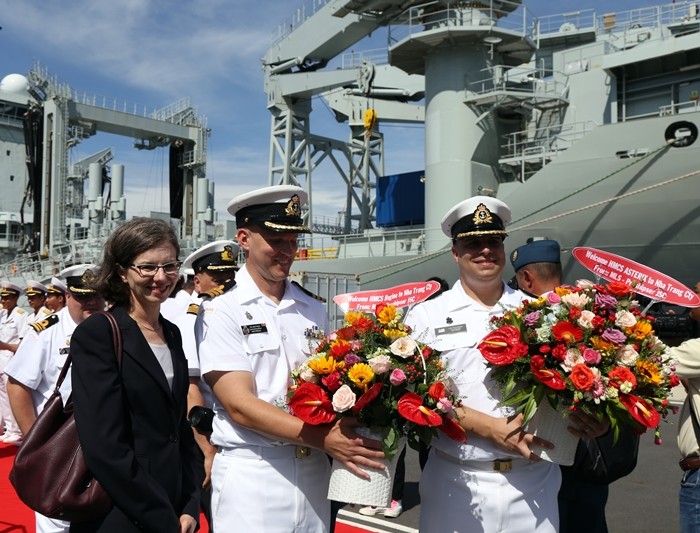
{"type": "Point", "coordinates": [132, 428]}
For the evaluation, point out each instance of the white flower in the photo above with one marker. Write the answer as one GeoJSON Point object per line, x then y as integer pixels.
{"type": "Point", "coordinates": [625, 319]}
{"type": "Point", "coordinates": [575, 299]}
{"type": "Point", "coordinates": [403, 347]}
{"type": "Point", "coordinates": [380, 364]}
{"type": "Point", "coordinates": [584, 283]}
{"type": "Point", "coordinates": [626, 355]}
{"type": "Point", "coordinates": [544, 333]}
{"type": "Point", "coordinates": [573, 357]}
{"type": "Point", "coordinates": [307, 374]}
{"type": "Point", "coordinates": [586, 319]}
{"type": "Point", "coordinates": [343, 399]}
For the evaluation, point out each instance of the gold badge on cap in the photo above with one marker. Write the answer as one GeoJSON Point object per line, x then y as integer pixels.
{"type": "Point", "coordinates": [293, 208]}
{"type": "Point", "coordinates": [482, 215]}
{"type": "Point", "coordinates": [87, 277]}
{"type": "Point", "coordinates": [227, 254]}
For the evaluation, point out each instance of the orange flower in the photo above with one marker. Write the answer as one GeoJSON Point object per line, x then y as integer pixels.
{"type": "Point", "coordinates": [601, 345]}
{"type": "Point", "coordinates": [641, 330]}
{"type": "Point", "coordinates": [340, 348]}
{"type": "Point", "coordinates": [617, 288]}
{"type": "Point", "coordinates": [582, 377]}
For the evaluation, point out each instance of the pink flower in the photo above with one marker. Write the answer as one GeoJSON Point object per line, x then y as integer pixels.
{"type": "Point", "coordinates": [397, 377]}
{"type": "Point", "coordinates": [343, 399]}
{"type": "Point", "coordinates": [553, 298]}
{"type": "Point", "coordinates": [445, 405]}
{"type": "Point", "coordinates": [591, 356]}
{"type": "Point", "coordinates": [380, 364]}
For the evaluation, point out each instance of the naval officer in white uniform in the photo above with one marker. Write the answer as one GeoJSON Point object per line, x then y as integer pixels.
{"type": "Point", "coordinates": [493, 482]}
{"type": "Point", "coordinates": [34, 370]}
{"type": "Point", "coordinates": [269, 474]}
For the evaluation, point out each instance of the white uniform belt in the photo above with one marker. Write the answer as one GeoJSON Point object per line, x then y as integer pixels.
{"type": "Point", "coordinates": [496, 465]}
{"type": "Point", "coordinates": [269, 452]}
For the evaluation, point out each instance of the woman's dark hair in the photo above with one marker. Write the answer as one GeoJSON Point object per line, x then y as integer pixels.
{"type": "Point", "coordinates": [129, 240]}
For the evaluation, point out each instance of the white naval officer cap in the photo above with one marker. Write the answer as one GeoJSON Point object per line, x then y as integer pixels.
{"type": "Point", "coordinates": [478, 216]}
{"type": "Point", "coordinates": [276, 208]}
{"type": "Point", "coordinates": [79, 277]}
{"type": "Point", "coordinates": [57, 286]}
{"type": "Point", "coordinates": [9, 289]}
{"type": "Point", "coordinates": [217, 256]}
{"type": "Point", "coordinates": [34, 288]}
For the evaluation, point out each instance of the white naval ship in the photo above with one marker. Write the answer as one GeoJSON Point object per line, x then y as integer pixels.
{"type": "Point", "coordinates": [56, 210]}
{"type": "Point", "coordinates": [585, 123]}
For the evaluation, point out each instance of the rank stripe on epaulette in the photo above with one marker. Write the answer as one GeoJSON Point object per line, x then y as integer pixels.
{"type": "Point", "coordinates": [193, 309]}
{"type": "Point", "coordinates": [46, 323]}
{"type": "Point", "coordinates": [309, 293]}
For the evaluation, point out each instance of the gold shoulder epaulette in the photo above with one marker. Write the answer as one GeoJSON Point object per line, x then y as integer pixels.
{"type": "Point", "coordinates": [46, 323]}
{"type": "Point", "coordinates": [20, 311]}
{"type": "Point", "coordinates": [309, 293]}
{"type": "Point", "coordinates": [193, 309]}
{"type": "Point", "coordinates": [216, 291]}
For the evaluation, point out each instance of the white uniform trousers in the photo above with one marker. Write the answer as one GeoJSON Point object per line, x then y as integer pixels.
{"type": "Point", "coordinates": [269, 490]}
{"type": "Point", "coordinates": [11, 427]}
{"type": "Point", "coordinates": [471, 497]}
{"type": "Point", "coordinates": [49, 525]}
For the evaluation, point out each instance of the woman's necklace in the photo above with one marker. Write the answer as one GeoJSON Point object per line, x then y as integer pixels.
{"type": "Point", "coordinates": [149, 328]}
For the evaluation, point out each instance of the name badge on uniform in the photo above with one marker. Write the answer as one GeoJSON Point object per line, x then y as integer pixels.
{"type": "Point", "coordinates": [64, 351]}
{"type": "Point", "coordinates": [449, 330]}
{"type": "Point", "coordinates": [251, 329]}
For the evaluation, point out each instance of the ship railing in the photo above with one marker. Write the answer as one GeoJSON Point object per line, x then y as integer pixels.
{"type": "Point", "coordinates": [9, 120]}
{"type": "Point", "coordinates": [503, 14]}
{"type": "Point", "coordinates": [526, 80]}
{"type": "Point", "coordinates": [549, 141]}
{"type": "Point", "coordinates": [678, 108]}
{"type": "Point", "coordinates": [584, 19]}
{"type": "Point", "coordinates": [355, 59]}
{"type": "Point", "coordinates": [303, 13]}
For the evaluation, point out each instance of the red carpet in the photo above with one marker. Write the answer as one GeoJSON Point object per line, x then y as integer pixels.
{"type": "Point", "coordinates": [15, 517]}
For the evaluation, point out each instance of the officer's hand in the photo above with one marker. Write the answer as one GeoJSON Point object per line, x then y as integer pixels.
{"type": "Point", "coordinates": [586, 426]}
{"type": "Point", "coordinates": [509, 434]}
{"type": "Point", "coordinates": [354, 451]}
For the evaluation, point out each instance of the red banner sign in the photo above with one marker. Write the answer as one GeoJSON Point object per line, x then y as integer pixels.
{"type": "Point", "coordinates": [649, 282]}
{"type": "Point", "coordinates": [399, 296]}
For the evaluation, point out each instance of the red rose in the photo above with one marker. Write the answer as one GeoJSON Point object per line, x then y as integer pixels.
{"type": "Point", "coordinates": [311, 404]}
{"type": "Point", "coordinates": [597, 321]}
{"type": "Point", "coordinates": [363, 325]}
{"type": "Point", "coordinates": [552, 378]}
{"type": "Point", "coordinates": [619, 375]}
{"type": "Point", "coordinates": [559, 352]}
{"type": "Point", "coordinates": [332, 381]}
{"type": "Point", "coordinates": [582, 377]}
{"type": "Point", "coordinates": [574, 313]}
{"type": "Point", "coordinates": [411, 407]}
{"type": "Point", "coordinates": [427, 352]}
{"type": "Point", "coordinates": [567, 332]}
{"type": "Point", "coordinates": [453, 430]}
{"type": "Point", "coordinates": [641, 410]}
{"type": "Point", "coordinates": [617, 288]}
{"type": "Point", "coordinates": [503, 346]}
{"type": "Point", "coordinates": [367, 397]}
{"type": "Point", "coordinates": [437, 390]}
{"type": "Point", "coordinates": [673, 380]}
{"type": "Point", "coordinates": [545, 349]}
{"type": "Point", "coordinates": [537, 361]}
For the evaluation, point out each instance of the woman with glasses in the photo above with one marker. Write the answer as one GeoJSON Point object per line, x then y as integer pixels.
{"type": "Point", "coordinates": [131, 421]}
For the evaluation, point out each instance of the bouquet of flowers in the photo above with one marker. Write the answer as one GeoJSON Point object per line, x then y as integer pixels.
{"type": "Point", "coordinates": [373, 370]}
{"type": "Point", "coordinates": [586, 347]}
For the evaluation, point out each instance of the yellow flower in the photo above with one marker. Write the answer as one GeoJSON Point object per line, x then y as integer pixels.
{"type": "Point", "coordinates": [641, 330]}
{"type": "Point", "coordinates": [601, 345]}
{"type": "Point", "coordinates": [361, 374]}
{"type": "Point", "coordinates": [351, 317]}
{"type": "Point", "coordinates": [539, 303]}
{"type": "Point", "coordinates": [387, 315]}
{"type": "Point", "coordinates": [325, 365]}
{"type": "Point", "coordinates": [649, 372]}
{"type": "Point", "coordinates": [561, 291]}
{"type": "Point", "coordinates": [393, 334]}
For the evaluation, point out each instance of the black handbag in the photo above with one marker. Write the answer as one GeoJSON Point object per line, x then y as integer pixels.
{"type": "Point", "coordinates": [601, 461]}
{"type": "Point", "coordinates": [49, 472]}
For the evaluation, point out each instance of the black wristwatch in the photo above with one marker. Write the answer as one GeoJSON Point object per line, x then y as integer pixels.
{"type": "Point", "coordinates": [201, 418]}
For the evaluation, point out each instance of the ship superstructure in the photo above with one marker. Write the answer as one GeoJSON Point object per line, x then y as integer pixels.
{"type": "Point", "coordinates": [55, 212]}
{"type": "Point", "coordinates": [584, 123]}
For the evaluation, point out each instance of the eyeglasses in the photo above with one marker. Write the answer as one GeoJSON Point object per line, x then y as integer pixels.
{"type": "Point", "coordinates": [148, 270]}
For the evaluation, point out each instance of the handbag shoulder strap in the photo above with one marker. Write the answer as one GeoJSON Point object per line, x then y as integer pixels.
{"type": "Point", "coordinates": [116, 340]}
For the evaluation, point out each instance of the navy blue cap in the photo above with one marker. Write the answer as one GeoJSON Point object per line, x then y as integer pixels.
{"type": "Point", "coordinates": [543, 251]}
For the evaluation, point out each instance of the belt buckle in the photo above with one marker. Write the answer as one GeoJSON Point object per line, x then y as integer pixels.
{"type": "Point", "coordinates": [502, 465]}
{"type": "Point", "coordinates": [302, 451]}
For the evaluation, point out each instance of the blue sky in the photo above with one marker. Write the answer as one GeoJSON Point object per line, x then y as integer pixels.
{"type": "Point", "coordinates": [154, 52]}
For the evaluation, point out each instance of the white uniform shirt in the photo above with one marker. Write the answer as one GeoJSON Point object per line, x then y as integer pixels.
{"type": "Point", "coordinates": [35, 317]}
{"type": "Point", "coordinates": [243, 330]}
{"type": "Point", "coordinates": [454, 324]}
{"type": "Point", "coordinates": [12, 328]}
{"type": "Point", "coordinates": [174, 307]}
{"type": "Point", "coordinates": [40, 358]}
{"type": "Point", "coordinates": [185, 323]}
